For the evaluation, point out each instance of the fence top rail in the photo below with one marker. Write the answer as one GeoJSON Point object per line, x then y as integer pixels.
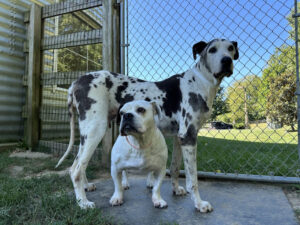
{"type": "Point", "coordinates": [73, 39]}
{"type": "Point", "coordinates": [68, 7]}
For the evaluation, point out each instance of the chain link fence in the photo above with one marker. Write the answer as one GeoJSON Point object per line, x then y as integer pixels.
{"type": "Point", "coordinates": [258, 101]}
{"type": "Point", "coordinates": [253, 127]}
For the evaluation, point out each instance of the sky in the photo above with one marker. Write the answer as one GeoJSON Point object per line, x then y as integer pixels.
{"type": "Point", "coordinates": [161, 33]}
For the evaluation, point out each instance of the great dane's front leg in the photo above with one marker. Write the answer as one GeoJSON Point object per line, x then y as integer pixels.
{"type": "Point", "coordinates": [190, 165]}
{"type": "Point", "coordinates": [175, 167]}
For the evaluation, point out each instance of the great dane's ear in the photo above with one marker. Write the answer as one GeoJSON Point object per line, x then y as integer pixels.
{"type": "Point", "coordinates": [198, 48]}
{"type": "Point", "coordinates": [156, 110]}
{"type": "Point", "coordinates": [236, 55]}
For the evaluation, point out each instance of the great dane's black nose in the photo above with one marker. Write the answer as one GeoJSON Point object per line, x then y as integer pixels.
{"type": "Point", "coordinates": [226, 61]}
{"type": "Point", "coordinates": [127, 116]}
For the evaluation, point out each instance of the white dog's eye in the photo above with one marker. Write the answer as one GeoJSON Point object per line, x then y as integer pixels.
{"type": "Point", "coordinates": [212, 50]}
{"type": "Point", "coordinates": [141, 110]}
{"type": "Point", "coordinates": [121, 113]}
{"type": "Point", "coordinates": [230, 48]}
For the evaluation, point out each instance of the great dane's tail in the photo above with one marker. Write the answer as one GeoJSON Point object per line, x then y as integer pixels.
{"type": "Point", "coordinates": [72, 125]}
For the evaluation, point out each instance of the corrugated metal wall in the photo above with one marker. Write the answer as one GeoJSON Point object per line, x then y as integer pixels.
{"type": "Point", "coordinates": [12, 67]}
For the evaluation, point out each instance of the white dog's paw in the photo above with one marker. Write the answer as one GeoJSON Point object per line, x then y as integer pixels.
{"type": "Point", "coordinates": [116, 200]}
{"type": "Point", "coordinates": [149, 184]}
{"type": "Point", "coordinates": [90, 187]}
{"type": "Point", "coordinates": [125, 185]}
{"type": "Point", "coordinates": [86, 204]}
{"type": "Point", "coordinates": [179, 191]}
{"type": "Point", "coordinates": [159, 203]}
{"type": "Point", "coordinates": [204, 207]}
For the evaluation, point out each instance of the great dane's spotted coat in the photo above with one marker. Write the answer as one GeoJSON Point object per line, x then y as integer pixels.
{"type": "Point", "coordinates": [185, 101]}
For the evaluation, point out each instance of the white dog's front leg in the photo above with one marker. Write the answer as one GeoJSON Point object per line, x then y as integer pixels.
{"type": "Point", "coordinates": [150, 180]}
{"type": "Point", "coordinates": [190, 166]}
{"type": "Point", "coordinates": [156, 198]}
{"type": "Point", "coordinates": [117, 198]}
{"type": "Point", "coordinates": [125, 183]}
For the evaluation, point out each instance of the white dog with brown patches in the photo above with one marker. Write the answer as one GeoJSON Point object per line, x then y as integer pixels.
{"type": "Point", "coordinates": [140, 147]}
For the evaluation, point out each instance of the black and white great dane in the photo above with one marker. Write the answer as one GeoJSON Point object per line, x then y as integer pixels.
{"type": "Point", "coordinates": [185, 101]}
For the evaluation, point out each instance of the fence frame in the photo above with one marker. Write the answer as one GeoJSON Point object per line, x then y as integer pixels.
{"type": "Point", "coordinates": [109, 35]}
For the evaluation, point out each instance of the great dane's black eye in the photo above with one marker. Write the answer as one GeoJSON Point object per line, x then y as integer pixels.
{"type": "Point", "coordinates": [121, 113]}
{"type": "Point", "coordinates": [230, 48]}
{"type": "Point", "coordinates": [141, 110]}
{"type": "Point", "coordinates": [212, 50]}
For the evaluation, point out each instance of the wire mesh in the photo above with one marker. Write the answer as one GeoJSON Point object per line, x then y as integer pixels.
{"type": "Point", "coordinates": [258, 100]}
{"type": "Point", "coordinates": [72, 46]}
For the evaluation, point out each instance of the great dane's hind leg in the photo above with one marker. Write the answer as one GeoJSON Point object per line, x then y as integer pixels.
{"type": "Point", "coordinates": [175, 166]}
{"type": "Point", "coordinates": [91, 132]}
{"type": "Point", "coordinates": [190, 166]}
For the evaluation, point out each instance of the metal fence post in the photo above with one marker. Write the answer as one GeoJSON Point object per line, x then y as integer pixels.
{"type": "Point", "coordinates": [34, 68]}
{"type": "Point", "coordinates": [297, 74]}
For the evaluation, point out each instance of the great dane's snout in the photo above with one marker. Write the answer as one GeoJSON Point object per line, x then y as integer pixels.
{"type": "Point", "coordinates": [226, 61]}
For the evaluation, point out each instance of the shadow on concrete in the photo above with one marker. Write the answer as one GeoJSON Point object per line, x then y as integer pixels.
{"type": "Point", "coordinates": [234, 204]}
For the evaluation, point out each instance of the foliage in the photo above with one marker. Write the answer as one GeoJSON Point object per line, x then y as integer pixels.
{"type": "Point", "coordinates": [279, 86]}
{"type": "Point", "coordinates": [281, 106]}
{"type": "Point", "coordinates": [243, 98]}
{"type": "Point", "coordinates": [79, 58]}
{"type": "Point", "coordinates": [227, 117]}
{"type": "Point", "coordinates": [220, 105]}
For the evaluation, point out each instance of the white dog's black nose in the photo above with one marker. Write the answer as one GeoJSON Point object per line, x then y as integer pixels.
{"type": "Point", "coordinates": [127, 116]}
{"type": "Point", "coordinates": [226, 61]}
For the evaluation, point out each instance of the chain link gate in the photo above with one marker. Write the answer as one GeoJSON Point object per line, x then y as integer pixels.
{"type": "Point", "coordinates": [66, 39]}
{"type": "Point", "coordinates": [258, 100]}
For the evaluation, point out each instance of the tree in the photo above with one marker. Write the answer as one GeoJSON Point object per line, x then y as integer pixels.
{"type": "Point", "coordinates": [220, 105]}
{"type": "Point", "coordinates": [281, 104]}
{"type": "Point", "coordinates": [279, 82]}
{"type": "Point", "coordinates": [243, 100]}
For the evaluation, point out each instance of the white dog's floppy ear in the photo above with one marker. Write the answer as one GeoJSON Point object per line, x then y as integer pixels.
{"type": "Point", "coordinates": [236, 55]}
{"type": "Point", "coordinates": [198, 48]}
{"type": "Point", "coordinates": [156, 110]}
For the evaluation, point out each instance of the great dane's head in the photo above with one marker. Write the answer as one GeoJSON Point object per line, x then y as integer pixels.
{"type": "Point", "coordinates": [137, 117]}
{"type": "Point", "coordinates": [217, 56]}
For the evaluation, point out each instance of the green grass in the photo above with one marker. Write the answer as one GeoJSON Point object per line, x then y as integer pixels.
{"type": "Point", "coordinates": [45, 200]}
{"type": "Point", "coordinates": [258, 151]}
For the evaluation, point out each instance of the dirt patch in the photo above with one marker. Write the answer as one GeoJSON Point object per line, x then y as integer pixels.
{"type": "Point", "coordinates": [16, 171]}
{"type": "Point", "coordinates": [29, 155]}
{"type": "Point", "coordinates": [293, 195]}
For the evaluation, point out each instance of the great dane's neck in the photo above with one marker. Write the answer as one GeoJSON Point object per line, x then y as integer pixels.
{"type": "Point", "coordinates": [208, 84]}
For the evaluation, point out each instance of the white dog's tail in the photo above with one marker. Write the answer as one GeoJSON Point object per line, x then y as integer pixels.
{"type": "Point", "coordinates": [72, 125]}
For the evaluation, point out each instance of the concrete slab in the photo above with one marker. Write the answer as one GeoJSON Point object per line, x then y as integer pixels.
{"type": "Point", "coordinates": [234, 204]}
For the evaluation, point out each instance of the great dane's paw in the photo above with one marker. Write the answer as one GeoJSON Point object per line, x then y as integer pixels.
{"type": "Point", "coordinates": [116, 200]}
{"type": "Point", "coordinates": [179, 191]}
{"type": "Point", "coordinates": [159, 203]}
{"type": "Point", "coordinates": [90, 187]}
{"type": "Point", "coordinates": [86, 204]}
{"type": "Point", "coordinates": [204, 207]}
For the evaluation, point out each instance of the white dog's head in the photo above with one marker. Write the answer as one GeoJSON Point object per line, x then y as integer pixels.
{"type": "Point", "coordinates": [217, 56]}
{"type": "Point", "coordinates": [137, 117]}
